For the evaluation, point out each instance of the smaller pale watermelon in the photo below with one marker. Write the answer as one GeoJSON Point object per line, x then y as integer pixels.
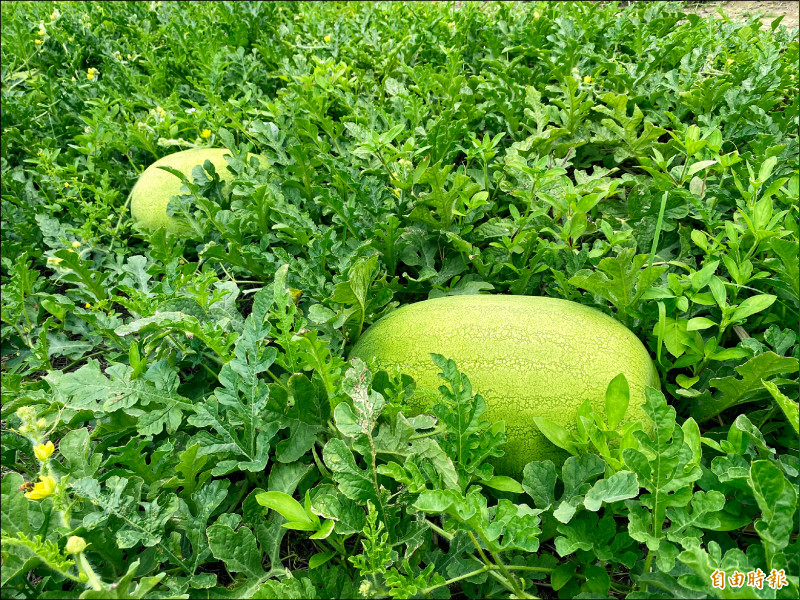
{"type": "Point", "coordinates": [155, 187]}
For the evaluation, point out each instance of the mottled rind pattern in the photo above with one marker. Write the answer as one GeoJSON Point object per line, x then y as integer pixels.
{"type": "Point", "coordinates": [528, 356]}
{"type": "Point", "coordinates": [154, 188]}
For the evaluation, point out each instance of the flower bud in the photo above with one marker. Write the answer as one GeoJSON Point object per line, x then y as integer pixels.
{"type": "Point", "coordinates": [76, 545]}
{"type": "Point", "coordinates": [26, 413]}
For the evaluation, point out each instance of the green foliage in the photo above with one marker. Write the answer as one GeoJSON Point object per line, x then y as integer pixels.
{"type": "Point", "coordinates": [209, 438]}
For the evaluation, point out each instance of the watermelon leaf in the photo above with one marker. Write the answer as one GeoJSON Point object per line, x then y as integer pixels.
{"type": "Point", "coordinates": [466, 437]}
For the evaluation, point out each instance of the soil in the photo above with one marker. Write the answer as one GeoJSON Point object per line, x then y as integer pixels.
{"type": "Point", "coordinates": [741, 10]}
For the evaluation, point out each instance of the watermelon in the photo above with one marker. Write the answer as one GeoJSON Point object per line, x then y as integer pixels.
{"type": "Point", "coordinates": [154, 188]}
{"type": "Point", "coordinates": [527, 356]}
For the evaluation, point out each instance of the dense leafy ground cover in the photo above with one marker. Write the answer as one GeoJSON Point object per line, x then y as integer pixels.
{"type": "Point", "coordinates": [179, 419]}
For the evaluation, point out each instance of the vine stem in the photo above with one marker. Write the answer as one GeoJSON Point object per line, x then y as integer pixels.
{"type": "Point", "coordinates": [480, 550]}
{"type": "Point", "coordinates": [486, 568]}
{"type": "Point", "coordinates": [445, 534]}
{"type": "Point", "coordinates": [277, 380]}
{"type": "Point", "coordinates": [483, 569]}
{"type": "Point", "coordinates": [508, 577]}
{"type": "Point", "coordinates": [659, 224]}
{"type": "Point", "coordinates": [527, 568]}
{"type": "Point", "coordinates": [647, 562]}
{"type": "Point", "coordinates": [513, 580]}
{"type": "Point", "coordinates": [91, 576]}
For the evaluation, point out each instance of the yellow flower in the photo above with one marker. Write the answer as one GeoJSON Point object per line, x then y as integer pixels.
{"type": "Point", "coordinates": [729, 62]}
{"type": "Point", "coordinates": [91, 73]}
{"type": "Point", "coordinates": [66, 184]}
{"type": "Point", "coordinates": [42, 31]}
{"type": "Point", "coordinates": [587, 79]}
{"type": "Point", "coordinates": [88, 305]}
{"type": "Point", "coordinates": [43, 489]}
{"type": "Point", "coordinates": [536, 14]}
{"type": "Point", "coordinates": [327, 39]}
{"type": "Point", "coordinates": [76, 244]}
{"type": "Point", "coordinates": [37, 42]}
{"type": "Point", "coordinates": [43, 451]}
{"type": "Point", "coordinates": [205, 134]}
{"type": "Point", "coordinates": [396, 192]}
{"type": "Point", "coordinates": [73, 79]}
